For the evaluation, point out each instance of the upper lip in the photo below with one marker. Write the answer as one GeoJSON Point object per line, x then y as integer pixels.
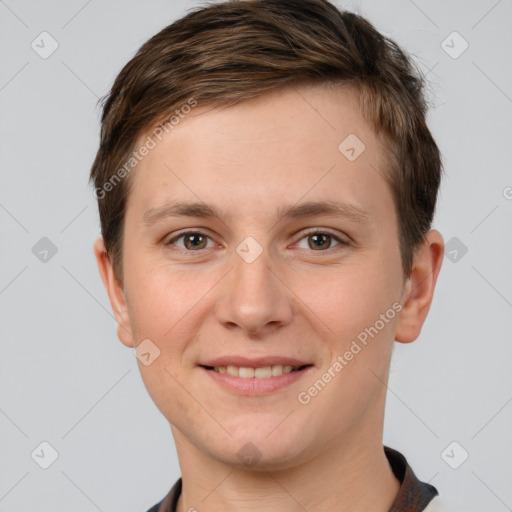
{"type": "Point", "coordinates": [255, 362]}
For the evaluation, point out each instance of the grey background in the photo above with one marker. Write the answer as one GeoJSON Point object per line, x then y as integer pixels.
{"type": "Point", "coordinates": [67, 380]}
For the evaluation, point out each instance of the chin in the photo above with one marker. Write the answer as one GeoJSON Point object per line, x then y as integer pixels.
{"type": "Point", "coordinates": [258, 458]}
{"type": "Point", "coordinates": [255, 449]}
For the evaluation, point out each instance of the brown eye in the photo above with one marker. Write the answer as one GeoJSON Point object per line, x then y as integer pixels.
{"type": "Point", "coordinates": [319, 241]}
{"type": "Point", "coordinates": [191, 241]}
{"type": "Point", "coordinates": [195, 241]}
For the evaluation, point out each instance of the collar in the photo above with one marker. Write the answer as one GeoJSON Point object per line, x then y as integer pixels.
{"type": "Point", "coordinates": [413, 495]}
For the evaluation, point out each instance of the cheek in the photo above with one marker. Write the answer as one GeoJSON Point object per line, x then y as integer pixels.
{"type": "Point", "coordinates": [169, 308]}
{"type": "Point", "coordinates": [162, 310]}
{"type": "Point", "coordinates": [161, 298]}
{"type": "Point", "coordinates": [357, 306]}
{"type": "Point", "coordinates": [346, 300]}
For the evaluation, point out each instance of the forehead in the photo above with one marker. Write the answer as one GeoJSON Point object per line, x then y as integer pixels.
{"type": "Point", "coordinates": [307, 142]}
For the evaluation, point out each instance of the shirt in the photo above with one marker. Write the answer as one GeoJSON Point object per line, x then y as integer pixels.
{"type": "Point", "coordinates": [413, 495]}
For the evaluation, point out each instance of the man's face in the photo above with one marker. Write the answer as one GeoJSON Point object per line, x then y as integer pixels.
{"type": "Point", "coordinates": [260, 283]}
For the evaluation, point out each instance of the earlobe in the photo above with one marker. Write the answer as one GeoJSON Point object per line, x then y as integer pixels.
{"type": "Point", "coordinates": [419, 287]}
{"type": "Point", "coordinates": [115, 293]}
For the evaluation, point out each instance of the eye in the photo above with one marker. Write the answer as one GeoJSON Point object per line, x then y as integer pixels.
{"type": "Point", "coordinates": [320, 241]}
{"type": "Point", "coordinates": [192, 241]}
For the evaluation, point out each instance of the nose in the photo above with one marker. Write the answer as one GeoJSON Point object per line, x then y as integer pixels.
{"type": "Point", "coordinates": [254, 298]}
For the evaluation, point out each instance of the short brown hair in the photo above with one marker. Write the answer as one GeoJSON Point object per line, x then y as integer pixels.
{"type": "Point", "coordinates": [232, 51]}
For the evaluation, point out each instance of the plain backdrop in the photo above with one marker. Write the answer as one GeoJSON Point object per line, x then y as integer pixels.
{"type": "Point", "coordinates": [66, 380]}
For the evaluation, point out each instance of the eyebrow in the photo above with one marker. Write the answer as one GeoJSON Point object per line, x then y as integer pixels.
{"type": "Point", "coordinates": [307, 209]}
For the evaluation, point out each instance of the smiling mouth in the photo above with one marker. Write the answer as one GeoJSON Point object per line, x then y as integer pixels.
{"type": "Point", "coordinates": [263, 372]}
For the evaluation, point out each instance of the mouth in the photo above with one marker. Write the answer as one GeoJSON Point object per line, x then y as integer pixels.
{"type": "Point", "coordinates": [255, 381]}
{"type": "Point", "coordinates": [261, 372]}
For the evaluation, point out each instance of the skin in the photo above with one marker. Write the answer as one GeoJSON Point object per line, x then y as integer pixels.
{"type": "Point", "coordinates": [294, 300]}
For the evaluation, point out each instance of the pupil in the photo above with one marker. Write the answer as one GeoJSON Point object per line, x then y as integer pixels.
{"type": "Point", "coordinates": [319, 241]}
{"type": "Point", "coordinates": [194, 240]}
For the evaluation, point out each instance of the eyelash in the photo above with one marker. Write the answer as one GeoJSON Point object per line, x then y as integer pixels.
{"type": "Point", "coordinates": [317, 231]}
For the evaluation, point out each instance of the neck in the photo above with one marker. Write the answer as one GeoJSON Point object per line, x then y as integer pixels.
{"type": "Point", "coordinates": [347, 478]}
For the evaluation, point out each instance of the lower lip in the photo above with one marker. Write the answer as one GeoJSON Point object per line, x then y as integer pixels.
{"type": "Point", "coordinates": [256, 386]}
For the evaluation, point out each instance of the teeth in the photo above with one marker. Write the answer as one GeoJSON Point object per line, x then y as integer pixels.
{"type": "Point", "coordinates": [263, 372]}
{"type": "Point", "coordinates": [246, 373]}
{"type": "Point", "coordinates": [232, 370]}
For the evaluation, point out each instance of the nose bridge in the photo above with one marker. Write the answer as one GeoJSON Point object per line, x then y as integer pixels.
{"type": "Point", "coordinates": [253, 298]}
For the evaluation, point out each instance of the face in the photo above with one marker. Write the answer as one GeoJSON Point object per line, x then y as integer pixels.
{"type": "Point", "coordinates": [253, 239]}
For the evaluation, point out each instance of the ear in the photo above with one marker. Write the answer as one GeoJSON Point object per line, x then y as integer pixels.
{"type": "Point", "coordinates": [115, 291]}
{"type": "Point", "coordinates": [419, 287]}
